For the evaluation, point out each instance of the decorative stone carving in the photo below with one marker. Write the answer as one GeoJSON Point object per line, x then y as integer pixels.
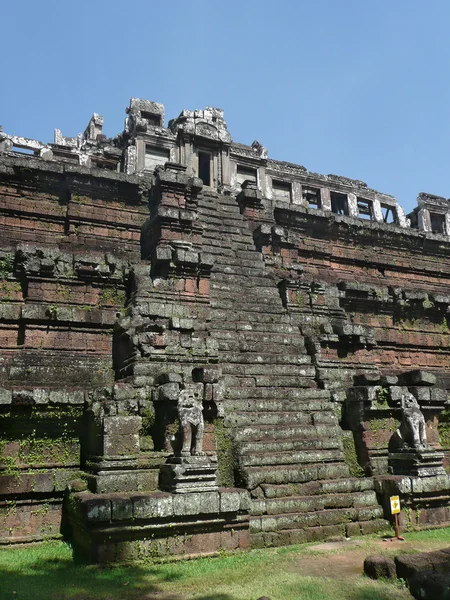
{"type": "Point", "coordinates": [411, 433]}
{"type": "Point", "coordinates": [259, 149]}
{"type": "Point", "coordinates": [190, 414]}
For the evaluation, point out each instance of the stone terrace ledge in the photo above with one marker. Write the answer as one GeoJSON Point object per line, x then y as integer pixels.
{"type": "Point", "coordinates": [122, 527]}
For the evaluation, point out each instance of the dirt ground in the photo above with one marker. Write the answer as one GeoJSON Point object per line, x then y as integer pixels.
{"type": "Point", "coordinates": [337, 560]}
{"type": "Point", "coordinates": [345, 559]}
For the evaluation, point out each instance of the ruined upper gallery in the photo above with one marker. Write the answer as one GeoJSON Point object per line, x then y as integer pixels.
{"type": "Point", "coordinates": [200, 141]}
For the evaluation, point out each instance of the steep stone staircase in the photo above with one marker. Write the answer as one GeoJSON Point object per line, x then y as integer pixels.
{"type": "Point", "coordinates": [286, 429]}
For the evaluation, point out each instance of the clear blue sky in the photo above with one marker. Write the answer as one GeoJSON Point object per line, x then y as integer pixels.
{"type": "Point", "coordinates": [354, 87]}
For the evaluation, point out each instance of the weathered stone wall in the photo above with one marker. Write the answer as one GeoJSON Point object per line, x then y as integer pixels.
{"type": "Point", "coordinates": [67, 239]}
{"type": "Point", "coordinates": [299, 314]}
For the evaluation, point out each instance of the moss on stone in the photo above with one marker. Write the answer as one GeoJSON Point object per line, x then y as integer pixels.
{"type": "Point", "coordinates": [112, 297]}
{"type": "Point", "coordinates": [444, 429]}
{"type": "Point", "coordinates": [350, 456]}
{"type": "Point", "coordinates": [6, 265]}
{"type": "Point", "coordinates": [227, 455]}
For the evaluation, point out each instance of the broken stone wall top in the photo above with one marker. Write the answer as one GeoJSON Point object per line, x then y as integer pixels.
{"type": "Point", "coordinates": [199, 139]}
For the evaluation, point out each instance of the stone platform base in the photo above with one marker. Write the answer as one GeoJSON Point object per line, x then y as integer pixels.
{"type": "Point", "coordinates": [111, 528]}
{"type": "Point", "coordinates": [425, 501]}
{"type": "Point", "coordinates": [419, 463]}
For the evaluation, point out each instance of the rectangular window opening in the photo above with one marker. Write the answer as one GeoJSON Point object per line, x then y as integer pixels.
{"type": "Point", "coordinates": [312, 197]}
{"type": "Point", "coordinates": [281, 190]}
{"type": "Point", "coordinates": [339, 203]}
{"type": "Point", "coordinates": [105, 164]}
{"type": "Point", "coordinates": [204, 167]}
{"type": "Point", "coordinates": [437, 223]}
{"type": "Point", "coordinates": [21, 150]}
{"type": "Point", "coordinates": [245, 174]}
{"type": "Point", "coordinates": [151, 118]}
{"type": "Point", "coordinates": [388, 213]}
{"type": "Point", "coordinates": [67, 157]}
{"type": "Point", "coordinates": [365, 209]}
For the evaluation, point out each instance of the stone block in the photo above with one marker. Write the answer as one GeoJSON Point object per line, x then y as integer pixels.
{"type": "Point", "coordinates": [95, 508]}
{"type": "Point", "coordinates": [229, 501]}
{"type": "Point", "coordinates": [169, 392]}
{"type": "Point", "coordinates": [124, 391]}
{"type": "Point", "coordinates": [121, 508]}
{"type": "Point", "coordinates": [353, 529]}
{"type": "Point", "coordinates": [121, 425]}
{"type": "Point", "coordinates": [121, 445]}
{"type": "Point", "coordinates": [393, 485]}
{"type": "Point", "coordinates": [388, 380]}
{"type": "Point", "coordinates": [408, 565]}
{"type": "Point", "coordinates": [439, 395]}
{"type": "Point", "coordinates": [428, 585]}
{"type": "Point", "coordinates": [194, 503]}
{"type": "Point", "coordinates": [374, 526]}
{"type": "Point", "coordinates": [58, 397]}
{"type": "Point", "coordinates": [380, 567]}
{"type": "Point", "coordinates": [154, 506]}
{"type": "Point", "coordinates": [422, 393]}
{"type": "Point", "coordinates": [5, 396]}
{"type": "Point", "coordinates": [420, 377]}
{"type": "Point", "coordinates": [163, 254]}
{"type": "Point", "coordinates": [368, 379]}
{"type": "Point", "coordinates": [396, 392]}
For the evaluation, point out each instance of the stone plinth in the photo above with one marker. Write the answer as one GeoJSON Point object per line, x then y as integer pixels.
{"type": "Point", "coordinates": [425, 462]}
{"type": "Point", "coordinates": [181, 475]}
{"type": "Point", "coordinates": [131, 527]}
{"type": "Point", "coordinates": [424, 500]}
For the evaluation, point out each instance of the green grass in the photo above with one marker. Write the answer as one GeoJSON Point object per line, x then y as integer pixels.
{"type": "Point", "coordinates": [47, 572]}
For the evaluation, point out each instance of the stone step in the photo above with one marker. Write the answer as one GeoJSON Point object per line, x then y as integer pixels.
{"type": "Point", "coordinates": [302, 380]}
{"type": "Point", "coordinates": [242, 418]}
{"type": "Point", "coordinates": [294, 473]}
{"type": "Point", "coordinates": [262, 361]}
{"type": "Point", "coordinates": [277, 445]}
{"type": "Point", "coordinates": [308, 405]}
{"type": "Point", "coordinates": [284, 393]}
{"type": "Point", "coordinates": [259, 298]}
{"type": "Point", "coordinates": [236, 283]}
{"type": "Point", "coordinates": [253, 433]}
{"type": "Point", "coordinates": [299, 504]}
{"type": "Point", "coordinates": [230, 359]}
{"type": "Point", "coordinates": [249, 317]}
{"type": "Point", "coordinates": [253, 346]}
{"type": "Point", "coordinates": [258, 278]}
{"type": "Point", "coordinates": [240, 268]}
{"type": "Point", "coordinates": [317, 518]}
{"type": "Point", "coordinates": [286, 381]}
{"type": "Point", "coordinates": [316, 534]}
{"type": "Point", "coordinates": [290, 457]}
{"type": "Point", "coordinates": [330, 487]}
{"type": "Point", "coordinates": [246, 336]}
{"type": "Point", "coordinates": [261, 369]}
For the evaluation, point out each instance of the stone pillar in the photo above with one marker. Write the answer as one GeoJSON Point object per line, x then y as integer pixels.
{"type": "Point", "coordinates": [402, 222]}
{"type": "Point", "coordinates": [447, 223]}
{"type": "Point", "coordinates": [296, 193]}
{"type": "Point", "coordinates": [376, 211]}
{"type": "Point", "coordinates": [352, 203]}
{"type": "Point", "coordinates": [226, 166]}
{"type": "Point", "coordinates": [423, 218]}
{"type": "Point", "coordinates": [325, 199]}
{"type": "Point", "coordinates": [130, 160]}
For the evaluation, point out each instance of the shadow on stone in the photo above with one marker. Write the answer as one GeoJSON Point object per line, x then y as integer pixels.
{"type": "Point", "coordinates": [429, 585]}
{"type": "Point", "coordinates": [380, 567]}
